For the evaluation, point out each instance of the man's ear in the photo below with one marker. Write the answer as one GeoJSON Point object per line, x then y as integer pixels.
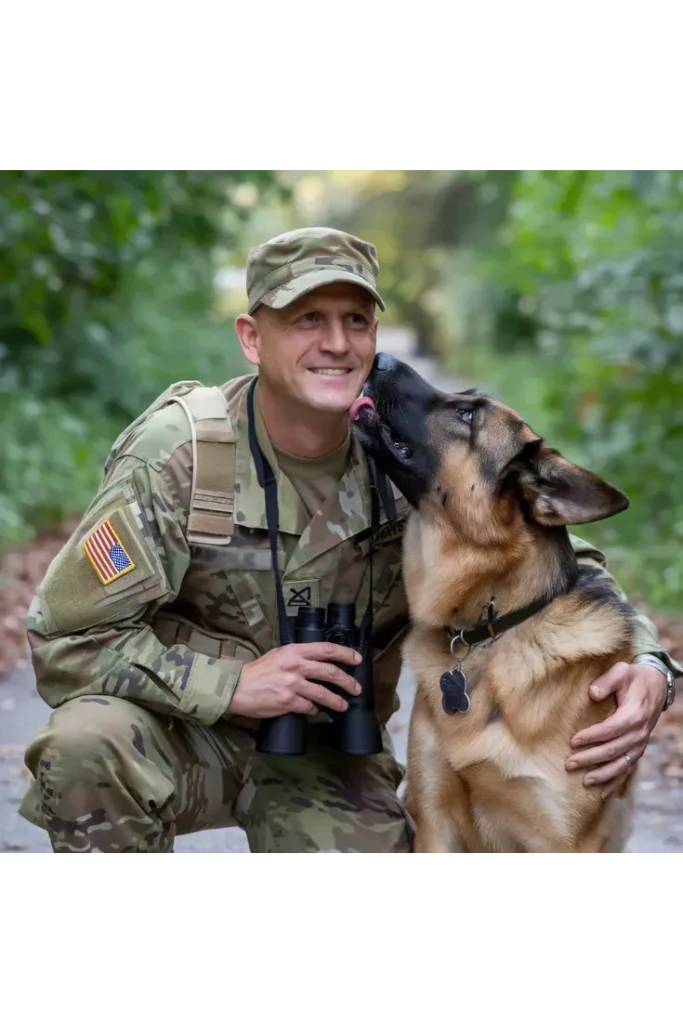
{"type": "Point", "coordinates": [247, 333]}
{"type": "Point", "coordinates": [558, 493]}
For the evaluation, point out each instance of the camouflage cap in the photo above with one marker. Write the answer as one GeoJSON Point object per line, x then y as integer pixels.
{"type": "Point", "coordinates": [293, 264]}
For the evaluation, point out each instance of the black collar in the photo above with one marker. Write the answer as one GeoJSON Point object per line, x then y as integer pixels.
{"type": "Point", "coordinates": [495, 624]}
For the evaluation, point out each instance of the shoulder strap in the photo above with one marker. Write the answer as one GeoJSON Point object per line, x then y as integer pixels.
{"type": "Point", "coordinates": [212, 497]}
{"type": "Point", "coordinates": [180, 388]}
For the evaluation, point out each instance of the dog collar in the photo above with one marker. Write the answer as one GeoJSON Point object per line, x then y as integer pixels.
{"type": "Point", "coordinates": [495, 624]}
{"type": "Point", "coordinates": [455, 697]}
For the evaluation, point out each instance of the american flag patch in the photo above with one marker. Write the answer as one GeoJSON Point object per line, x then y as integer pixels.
{"type": "Point", "coordinates": [107, 554]}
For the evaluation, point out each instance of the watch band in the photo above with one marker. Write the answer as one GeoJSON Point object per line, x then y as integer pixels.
{"type": "Point", "coordinates": [654, 662]}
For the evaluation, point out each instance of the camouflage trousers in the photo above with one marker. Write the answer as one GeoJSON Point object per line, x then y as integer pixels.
{"type": "Point", "coordinates": [112, 776]}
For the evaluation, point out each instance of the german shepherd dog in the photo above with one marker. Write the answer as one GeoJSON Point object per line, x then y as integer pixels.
{"type": "Point", "coordinates": [507, 631]}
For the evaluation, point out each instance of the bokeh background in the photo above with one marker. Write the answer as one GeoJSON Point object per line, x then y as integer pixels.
{"type": "Point", "coordinates": [559, 291]}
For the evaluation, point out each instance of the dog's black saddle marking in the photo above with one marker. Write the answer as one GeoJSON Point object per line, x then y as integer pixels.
{"type": "Point", "coordinates": [454, 689]}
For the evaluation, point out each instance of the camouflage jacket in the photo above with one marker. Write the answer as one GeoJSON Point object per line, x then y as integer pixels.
{"type": "Point", "coordinates": [185, 609]}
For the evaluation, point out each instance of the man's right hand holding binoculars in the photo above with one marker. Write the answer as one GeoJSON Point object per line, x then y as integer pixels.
{"type": "Point", "coordinates": [283, 681]}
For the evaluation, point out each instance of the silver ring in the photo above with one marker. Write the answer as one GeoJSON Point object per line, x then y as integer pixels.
{"type": "Point", "coordinates": [629, 760]}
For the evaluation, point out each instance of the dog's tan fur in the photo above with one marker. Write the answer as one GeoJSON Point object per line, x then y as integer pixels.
{"type": "Point", "coordinates": [494, 779]}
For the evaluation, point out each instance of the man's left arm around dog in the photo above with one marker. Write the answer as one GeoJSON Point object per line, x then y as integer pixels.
{"type": "Point", "coordinates": [607, 752]}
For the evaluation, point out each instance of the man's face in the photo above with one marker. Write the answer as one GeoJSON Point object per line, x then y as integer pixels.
{"type": "Point", "coordinates": [319, 350]}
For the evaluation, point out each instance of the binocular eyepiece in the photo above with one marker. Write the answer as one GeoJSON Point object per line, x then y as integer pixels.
{"type": "Point", "coordinates": [356, 730]}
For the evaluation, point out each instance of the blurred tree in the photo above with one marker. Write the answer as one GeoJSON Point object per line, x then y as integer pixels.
{"type": "Point", "coordinates": [590, 266]}
{"type": "Point", "coordinates": [70, 240]}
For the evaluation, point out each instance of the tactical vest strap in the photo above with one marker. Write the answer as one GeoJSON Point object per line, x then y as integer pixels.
{"type": "Point", "coordinates": [212, 499]}
{"type": "Point", "coordinates": [175, 391]}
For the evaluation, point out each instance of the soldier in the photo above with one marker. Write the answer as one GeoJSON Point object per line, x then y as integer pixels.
{"type": "Point", "coordinates": [155, 632]}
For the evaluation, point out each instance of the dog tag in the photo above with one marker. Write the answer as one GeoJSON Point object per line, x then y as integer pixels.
{"type": "Point", "coordinates": [454, 690]}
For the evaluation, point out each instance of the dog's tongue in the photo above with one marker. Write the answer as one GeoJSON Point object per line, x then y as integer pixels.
{"type": "Point", "coordinates": [358, 406]}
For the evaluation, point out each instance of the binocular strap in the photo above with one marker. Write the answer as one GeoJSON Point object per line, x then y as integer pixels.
{"type": "Point", "coordinates": [266, 479]}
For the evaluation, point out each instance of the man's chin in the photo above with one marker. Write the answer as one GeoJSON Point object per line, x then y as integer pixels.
{"type": "Point", "coordinates": [332, 397]}
{"type": "Point", "coordinates": [337, 407]}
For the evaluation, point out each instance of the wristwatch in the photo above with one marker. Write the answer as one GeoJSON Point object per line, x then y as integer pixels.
{"type": "Point", "coordinates": [654, 662]}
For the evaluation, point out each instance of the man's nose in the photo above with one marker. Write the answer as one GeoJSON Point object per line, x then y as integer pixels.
{"type": "Point", "coordinates": [335, 339]}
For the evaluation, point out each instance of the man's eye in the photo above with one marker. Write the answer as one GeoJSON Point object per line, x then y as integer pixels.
{"type": "Point", "coordinates": [310, 318]}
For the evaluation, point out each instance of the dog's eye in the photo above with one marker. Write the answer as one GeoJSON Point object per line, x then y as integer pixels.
{"type": "Point", "coordinates": [467, 415]}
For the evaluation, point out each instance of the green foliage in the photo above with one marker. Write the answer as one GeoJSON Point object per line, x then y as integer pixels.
{"type": "Point", "coordinates": [69, 241]}
{"type": "Point", "coordinates": [586, 284]}
{"type": "Point", "coordinates": [51, 460]}
{"type": "Point", "coordinates": [106, 297]}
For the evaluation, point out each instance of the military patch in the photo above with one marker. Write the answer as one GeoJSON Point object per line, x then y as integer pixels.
{"type": "Point", "coordinates": [300, 594]}
{"type": "Point", "coordinates": [388, 532]}
{"type": "Point", "coordinates": [107, 554]}
{"type": "Point", "coordinates": [242, 559]}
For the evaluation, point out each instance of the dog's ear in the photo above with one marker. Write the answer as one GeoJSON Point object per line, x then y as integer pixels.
{"type": "Point", "coordinates": [555, 492]}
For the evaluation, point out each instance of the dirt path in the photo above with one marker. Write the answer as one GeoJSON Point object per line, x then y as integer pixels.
{"type": "Point", "coordinates": [659, 821]}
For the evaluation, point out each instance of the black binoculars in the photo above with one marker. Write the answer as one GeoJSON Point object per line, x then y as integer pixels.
{"type": "Point", "coordinates": [356, 730]}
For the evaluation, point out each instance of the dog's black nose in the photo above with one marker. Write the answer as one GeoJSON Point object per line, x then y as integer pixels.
{"type": "Point", "coordinates": [383, 361]}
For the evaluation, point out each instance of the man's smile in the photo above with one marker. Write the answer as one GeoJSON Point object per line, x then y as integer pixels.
{"type": "Point", "coordinates": [329, 370]}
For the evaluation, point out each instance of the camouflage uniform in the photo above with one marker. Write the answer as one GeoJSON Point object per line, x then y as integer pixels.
{"type": "Point", "coordinates": [141, 669]}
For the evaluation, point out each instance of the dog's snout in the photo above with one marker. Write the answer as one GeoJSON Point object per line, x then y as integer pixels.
{"type": "Point", "coordinates": [384, 361]}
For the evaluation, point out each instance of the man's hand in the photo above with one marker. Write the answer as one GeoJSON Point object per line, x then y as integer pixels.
{"type": "Point", "coordinates": [281, 681]}
{"type": "Point", "coordinates": [640, 691]}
